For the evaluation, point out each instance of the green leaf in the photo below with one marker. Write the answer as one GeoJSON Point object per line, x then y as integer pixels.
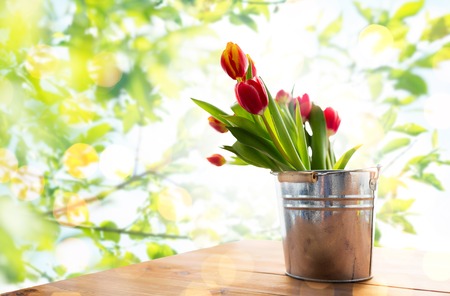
{"type": "Point", "coordinates": [332, 29]}
{"type": "Point", "coordinates": [400, 102]}
{"type": "Point", "coordinates": [262, 145]}
{"type": "Point", "coordinates": [409, 81]}
{"type": "Point", "coordinates": [396, 205]}
{"type": "Point", "coordinates": [438, 28]}
{"type": "Point", "coordinates": [155, 250]}
{"type": "Point", "coordinates": [433, 60]}
{"type": "Point", "coordinates": [407, 51]}
{"type": "Point", "coordinates": [302, 146]}
{"type": "Point", "coordinates": [343, 160]}
{"type": "Point", "coordinates": [388, 119]}
{"type": "Point", "coordinates": [109, 235]}
{"type": "Point", "coordinates": [319, 140]}
{"type": "Point", "coordinates": [246, 124]}
{"type": "Point", "coordinates": [408, 9]}
{"type": "Point", "coordinates": [60, 270]}
{"type": "Point", "coordinates": [254, 157]}
{"type": "Point", "coordinates": [435, 139]}
{"type": "Point", "coordinates": [284, 137]}
{"type": "Point", "coordinates": [375, 82]}
{"type": "Point", "coordinates": [395, 145]}
{"type": "Point", "coordinates": [411, 129]}
{"type": "Point", "coordinates": [244, 19]}
{"type": "Point", "coordinates": [364, 11]}
{"type": "Point", "coordinates": [212, 110]}
{"type": "Point", "coordinates": [96, 133]}
{"type": "Point", "coordinates": [430, 179]}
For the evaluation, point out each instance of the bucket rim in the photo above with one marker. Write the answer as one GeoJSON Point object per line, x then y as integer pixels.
{"type": "Point", "coordinates": [327, 172]}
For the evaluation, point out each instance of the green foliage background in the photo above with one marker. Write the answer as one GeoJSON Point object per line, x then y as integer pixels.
{"type": "Point", "coordinates": [100, 72]}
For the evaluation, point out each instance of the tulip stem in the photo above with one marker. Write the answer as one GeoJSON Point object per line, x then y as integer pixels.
{"type": "Point", "coordinates": [275, 140]}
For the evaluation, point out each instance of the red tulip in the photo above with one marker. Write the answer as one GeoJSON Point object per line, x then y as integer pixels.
{"type": "Point", "coordinates": [283, 97]}
{"type": "Point", "coordinates": [217, 159]}
{"type": "Point", "coordinates": [252, 95]}
{"type": "Point", "coordinates": [234, 61]}
{"type": "Point", "coordinates": [332, 119]}
{"type": "Point", "coordinates": [217, 125]}
{"type": "Point", "coordinates": [305, 106]}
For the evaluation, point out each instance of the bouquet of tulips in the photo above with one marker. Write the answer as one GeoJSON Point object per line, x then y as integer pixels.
{"type": "Point", "coordinates": [284, 133]}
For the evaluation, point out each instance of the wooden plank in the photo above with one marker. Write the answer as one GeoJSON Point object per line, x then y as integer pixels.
{"type": "Point", "coordinates": [244, 268]}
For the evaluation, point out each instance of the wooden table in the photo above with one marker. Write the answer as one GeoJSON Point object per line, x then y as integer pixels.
{"type": "Point", "coordinates": [253, 268]}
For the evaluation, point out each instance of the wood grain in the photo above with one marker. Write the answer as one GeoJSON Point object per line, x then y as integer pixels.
{"type": "Point", "coordinates": [250, 268]}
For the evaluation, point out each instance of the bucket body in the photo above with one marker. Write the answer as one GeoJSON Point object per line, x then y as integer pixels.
{"type": "Point", "coordinates": [327, 223]}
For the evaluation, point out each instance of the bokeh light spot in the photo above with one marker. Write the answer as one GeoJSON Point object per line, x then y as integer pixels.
{"type": "Point", "coordinates": [116, 162]}
{"type": "Point", "coordinates": [437, 265]}
{"type": "Point", "coordinates": [74, 254]}
{"type": "Point", "coordinates": [78, 109]}
{"type": "Point", "coordinates": [103, 70]}
{"type": "Point", "coordinates": [218, 270]}
{"type": "Point", "coordinates": [81, 160]}
{"type": "Point", "coordinates": [8, 165]}
{"type": "Point", "coordinates": [435, 113]}
{"type": "Point", "coordinates": [375, 39]}
{"type": "Point", "coordinates": [41, 61]}
{"type": "Point", "coordinates": [174, 203]}
{"type": "Point", "coordinates": [70, 209]}
{"type": "Point", "coordinates": [27, 183]}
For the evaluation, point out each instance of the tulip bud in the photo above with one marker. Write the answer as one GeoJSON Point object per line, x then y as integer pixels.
{"type": "Point", "coordinates": [283, 97]}
{"type": "Point", "coordinates": [252, 95]}
{"type": "Point", "coordinates": [216, 159]}
{"type": "Point", "coordinates": [332, 119]}
{"type": "Point", "coordinates": [305, 106]}
{"type": "Point", "coordinates": [217, 125]}
{"type": "Point", "coordinates": [234, 61]}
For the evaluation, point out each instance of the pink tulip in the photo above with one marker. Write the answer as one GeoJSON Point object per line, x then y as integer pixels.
{"type": "Point", "coordinates": [332, 119]}
{"type": "Point", "coordinates": [252, 95]}
{"type": "Point", "coordinates": [283, 97]}
{"type": "Point", "coordinates": [217, 159]}
{"type": "Point", "coordinates": [305, 105]}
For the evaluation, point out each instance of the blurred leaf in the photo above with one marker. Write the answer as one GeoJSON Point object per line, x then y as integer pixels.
{"type": "Point", "coordinates": [429, 179]}
{"type": "Point", "coordinates": [408, 9]}
{"type": "Point", "coordinates": [364, 11]}
{"type": "Point", "coordinates": [389, 185]}
{"type": "Point", "coordinates": [407, 51]}
{"type": "Point", "coordinates": [435, 139]}
{"type": "Point", "coordinates": [243, 19]}
{"type": "Point", "coordinates": [109, 235]}
{"type": "Point", "coordinates": [433, 60]}
{"type": "Point", "coordinates": [406, 80]}
{"type": "Point", "coordinates": [395, 145]}
{"type": "Point", "coordinates": [437, 28]}
{"type": "Point", "coordinates": [332, 29]}
{"type": "Point", "coordinates": [142, 225]}
{"type": "Point", "coordinates": [95, 133]}
{"type": "Point", "coordinates": [403, 223]}
{"type": "Point", "coordinates": [12, 267]}
{"type": "Point", "coordinates": [387, 120]}
{"type": "Point", "coordinates": [396, 205]}
{"type": "Point", "coordinates": [60, 270]}
{"type": "Point", "coordinates": [411, 129]}
{"type": "Point", "coordinates": [400, 102]}
{"type": "Point", "coordinates": [155, 250]}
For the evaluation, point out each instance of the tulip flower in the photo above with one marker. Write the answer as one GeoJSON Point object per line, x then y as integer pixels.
{"type": "Point", "coordinates": [234, 61]}
{"type": "Point", "coordinates": [332, 120]}
{"type": "Point", "coordinates": [217, 124]}
{"type": "Point", "coordinates": [217, 159]}
{"type": "Point", "coordinates": [305, 105]}
{"type": "Point", "coordinates": [283, 97]}
{"type": "Point", "coordinates": [252, 96]}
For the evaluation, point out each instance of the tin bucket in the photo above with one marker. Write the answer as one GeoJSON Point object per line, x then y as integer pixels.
{"type": "Point", "coordinates": [327, 223]}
